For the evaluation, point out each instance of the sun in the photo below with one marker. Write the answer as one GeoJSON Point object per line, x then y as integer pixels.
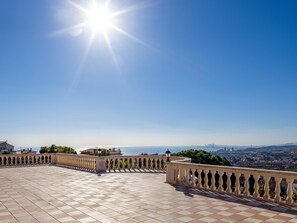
{"type": "Point", "coordinates": [99, 18]}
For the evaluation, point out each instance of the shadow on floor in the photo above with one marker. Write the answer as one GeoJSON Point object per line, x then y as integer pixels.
{"type": "Point", "coordinates": [113, 171]}
{"type": "Point", "coordinates": [191, 192]}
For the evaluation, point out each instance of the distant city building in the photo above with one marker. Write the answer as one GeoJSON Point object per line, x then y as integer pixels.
{"type": "Point", "coordinates": [5, 147]}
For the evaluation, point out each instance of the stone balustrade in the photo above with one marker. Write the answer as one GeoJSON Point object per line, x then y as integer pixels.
{"type": "Point", "coordinates": [149, 162]}
{"type": "Point", "coordinates": [82, 162]}
{"type": "Point", "coordinates": [89, 163]}
{"type": "Point", "coordinates": [26, 159]}
{"type": "Point", "coordinates": [268, 185]}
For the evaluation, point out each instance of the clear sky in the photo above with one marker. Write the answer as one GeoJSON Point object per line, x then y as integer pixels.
{"type": "Point", "coordinates": [202, 72]}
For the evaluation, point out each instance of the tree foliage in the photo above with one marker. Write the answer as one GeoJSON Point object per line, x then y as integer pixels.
{"type": "Point", "coordinates": [57, 149]}
{"type": "Point", "coordinates": [201, 156]}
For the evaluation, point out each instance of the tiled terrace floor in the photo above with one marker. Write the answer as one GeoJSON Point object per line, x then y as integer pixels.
{"type": "Point", "coordinates": [55, 194]}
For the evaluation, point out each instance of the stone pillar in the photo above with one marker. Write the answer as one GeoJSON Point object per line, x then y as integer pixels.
{"type": "Point", "coordinates": [170, 173]}
{"type": "Point", "coordinates": [100, 164]}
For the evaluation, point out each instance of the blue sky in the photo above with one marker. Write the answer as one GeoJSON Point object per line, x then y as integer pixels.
{"type": "Point", "coordinates": [221, 72]}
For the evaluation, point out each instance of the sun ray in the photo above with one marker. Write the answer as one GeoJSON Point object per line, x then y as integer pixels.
{"type": "Point", "coordinates": [123, 32]}
{"type": "Point", "coordinates": [111, 51]}
{"type": "Point", "coordinates": [83, 61]}
{"type": "Point", "coordinates": [68, 29]}
{"type": "Point", "coordinates": [79, 7]}
{"type": "Point", "coordinates": [124, 11]}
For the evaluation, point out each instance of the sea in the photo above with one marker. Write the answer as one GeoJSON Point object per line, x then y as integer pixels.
{"type": "Point", "coordinates": [137, 150]}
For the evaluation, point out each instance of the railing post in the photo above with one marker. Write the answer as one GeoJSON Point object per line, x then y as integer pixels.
{"type": "Point", "coordinates": [100, 164]}
{"type": "Point", "coordinates": [169, 173]}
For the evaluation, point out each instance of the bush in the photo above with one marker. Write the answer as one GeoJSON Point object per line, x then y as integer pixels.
{"type": "Point", "coordinates": [201, 156]}
{"type": "Point", "coordinates": [57, 149]}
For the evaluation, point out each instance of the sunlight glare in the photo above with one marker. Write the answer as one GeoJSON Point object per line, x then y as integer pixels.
{"type": "Point", "coordinates": [99, 19]}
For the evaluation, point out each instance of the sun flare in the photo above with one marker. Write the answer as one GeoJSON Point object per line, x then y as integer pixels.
{"type": "Point", "coordinates": [99, 18]}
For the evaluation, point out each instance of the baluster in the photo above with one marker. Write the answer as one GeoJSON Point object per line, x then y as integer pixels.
{"type": "Point", "coordinates": [187, 177]}
{"type": "Point", "coordinates": [213, 180]}
{"type": "Point", "coordinates": [193, 178]}
{"type": "Point", "coordinates": [256, 190]}
{"type": "Point", "coordinates": [228, 189]}
{"type": "Point", "coordinates": [237, 184]}
{"type": "Point", "coordinates": [277, 190]}
{"type": "Point", "coordinates": [266, 188]}
{"type": "Point", "coordinates": [246, 185]}
{"type": "Point", "coordinates": [221, 189]}
{"type": "Point", "coordinates": [289, 199]}
{"type": "Point", "coordinates": [199, 179]}
{"type": "Point", "coordinates": [108, 165]}
{"type": "Point", "coordinates": [206, 179]}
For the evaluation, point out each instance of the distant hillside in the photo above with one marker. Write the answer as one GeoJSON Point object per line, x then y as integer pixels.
{"type": "Point", "coordinates": [263, 149]}
{"type": "Point", "coordinates": [269, 148]}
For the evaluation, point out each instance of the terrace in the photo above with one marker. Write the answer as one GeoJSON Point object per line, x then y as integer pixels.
{"type": "Point", "coordinates": [74, 188]}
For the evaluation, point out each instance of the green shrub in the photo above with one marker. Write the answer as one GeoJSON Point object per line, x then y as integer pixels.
{"type": "Point", "coordinates": [201, 156]}
{"type": "Point", "coordinates": [57, 149]}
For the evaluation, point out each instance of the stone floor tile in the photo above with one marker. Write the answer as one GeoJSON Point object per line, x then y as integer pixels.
{"type": "Point", "coordinates": [55, 194]}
